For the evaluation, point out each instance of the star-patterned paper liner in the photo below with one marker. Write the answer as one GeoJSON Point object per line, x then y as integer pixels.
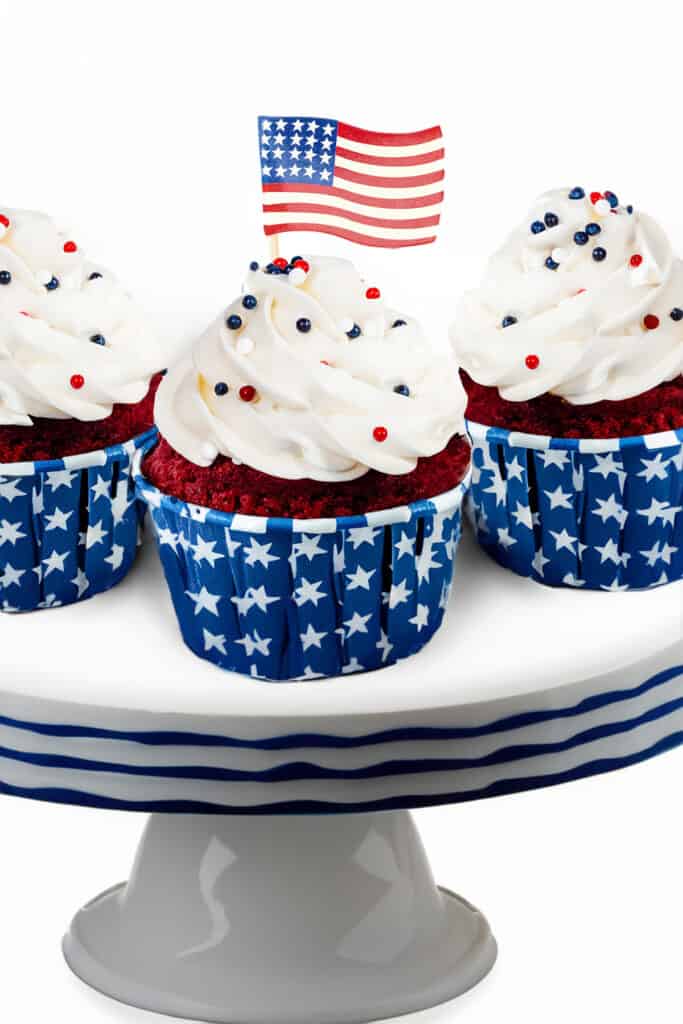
{"type": "Point", "coordinates": [600, 514]}
{"type": "Point", "coordinates": [69, 528]}
{"type": "Point", "coordinates": [284, 599]}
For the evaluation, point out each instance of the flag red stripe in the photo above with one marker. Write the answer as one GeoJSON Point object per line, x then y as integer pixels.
{"type": "Point", "coordinates": [359, 218]}
{"type": "Point", "coordinates": [342, 193]}
{"type": "Point", "coordinates": [350, 236]}
{"type": "Point", "coordinates": [391, 161]}
{"type": "Point", "coordinates": [347, 131]}
{"type": "Point", "coordinates": [370, 179]}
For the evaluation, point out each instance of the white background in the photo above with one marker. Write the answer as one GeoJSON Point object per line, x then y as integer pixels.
{"type": "Point", "coordinates": [134, 122]}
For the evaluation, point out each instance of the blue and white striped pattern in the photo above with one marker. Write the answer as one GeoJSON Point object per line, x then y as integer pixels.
{"type": "Point", "coordinates": [69, 528]}
{"type": "Point", "coordinates": [425, 758]}
{"type": "Point", "coordinates": [284, 599]}
{"type": "Point", "coordinates": [605, 515]}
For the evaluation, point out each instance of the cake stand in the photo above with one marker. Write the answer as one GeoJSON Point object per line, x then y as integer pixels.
{"type": "Point", "coordinates": [280, 877]}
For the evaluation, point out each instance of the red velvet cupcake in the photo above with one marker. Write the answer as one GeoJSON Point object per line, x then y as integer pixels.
{"type": "Point", "coordinates": [77, 359]}
{"type": "Point", "coordinates": [307, 424]}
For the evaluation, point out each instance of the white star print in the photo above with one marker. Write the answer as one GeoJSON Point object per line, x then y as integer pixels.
{"type": "Point", "coordinates": [578, 478]}
{"type": "Point", "coordinates": [311, 638]}
{"type": "Point", "coordinates": [55, 562]}
{"type": "Point", "coordinates": [255, 642]}
{"type": "Point", "coordinates": [405, 546]}
{"type": "Point", "coordinates": [120, 504]}
{"type": "Point", "coordinates": [515, 470]}
{"type": "Point", "coordinates": [115, 559]}
{"type": "Point", "coordinates": [259, 553]}
{"type": "Point", "coordinates": [609, 552]}
{"type": "Point", "coordinates": [563, 540]}
{"type": "Point", "coordinates": [9, 489]}
{"type": "Point", "coordinates": [605, 465]}
{"type": "Point", "coordinates": [498, 487]}
{"type": "Point", "coordinates": [81, 582]}
{"type": "Point", "coordinates": [266, 125]}
{"type": "Point", "coordinates": [261, 599]}
{"type": "Point", "coordinates": [95, 535]}
{"type": "Point", "coordinates": [554, 457]}
{"type": "Point", "coordinates": [312, 127]}
{"type": "Point", "coordinates": [399, 594]}
{"type": "Point", "coordinates": [677, 460]}
{"type": "Point", "coordinates": [231, 544]}
{"type": "Point", "coordinates": [50, 602]}
{"type": "Point", "coordinates": [360, 578]}
{"type": "Point", "coordinates": [309, 545]}
{"type": "Point", "coordinates": [614, 585]}
{"type": "Point", "coordinates": [421, 617]}
{"type": "Point", "coordinates": [558, 498]}
{"type": "Point", "coordinates": [309, 172]}
{"type": "Point", "coordinates": [655, 554]}
{"type": "Point", "coordinates": [297, 125]}
{"type": "Point", "coordinates": [280, 124]}
{"type": "Point", "coordinates": [522, 516]}
{"type": "Point", "coordinates": [277, 152]}
{"type": "Point", "coordinates": [426, 562]}
{"type": "Point", "coordinates": [325, 158]}
{"type": "Point", "coordinates": [203, 550]}
{"type": "Point", "coordinates": [37, 502]}
{"type": "Point", "coordinates": [660, 510]}
{"type": "Point", "coordinates": [309, 673]}
{"type": "Point", "coordinates": [204, 601]}
{"type": "Point", "coordinates": [280, 171]}
{"type": "Point", "coordinates": [325, 175]}
{"type": "Point", "coordinates": [328, 129]}
{"type": "Point", "coordinates": [384, 645]}
{"type": "Point", "coordinates": [244, 603]}
{"type": "Point", "coordinates": [357, 624]}
{"type": "Point", "coordinates": [352, 666]}
{"type": "Point", "coordinates": [165, 536]}
{"type": "Point", "coordinates": [279, 138]}
{"type": "Point", "coordinates": [362, 535]}
{"type": "Point", "coordinates": [504, 538]}
{"type": "Point", "coordinates": [294, 170]}
{"type": "Point", "coordinates": [11, 576]}
{"type": "Point", "coordinates": [338, 558]}
{"type": "Point", "coordinates": [539, 562]}
{"type": "Point", "coordinates": [60, 478]}
{"type": "Point", "coordinates": [570, 580]}
{"type": "Point", "coordinates": [308, 590]}
{"type": "Point", "coordinates": [214, 641]}
{"type": "Point", "coordinates": [445, 598]}
{"type": "Point", "coordinates": [101, 488]}
{"type": "Point", "coordinates": [58, 520]}
{"type": "Point", "coordinates": [610, 508]}
{"type": "Point", "coordinates": [10, 533]}
{"type": "Point", "coordinates": [326, 144]}
{"type": "Point", "coordinates": [654, 468]}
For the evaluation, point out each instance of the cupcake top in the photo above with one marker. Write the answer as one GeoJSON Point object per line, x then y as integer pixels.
{"type": "Point", "coordinates": [584, 300]}
{"type": "Point", "coordinates": [308, 374]}
{"type": "Point", "coordinates": [72, 341]}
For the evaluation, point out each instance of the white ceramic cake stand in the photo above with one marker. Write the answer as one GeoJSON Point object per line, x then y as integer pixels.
{"type": "Point", "coordinates": [280, 877]}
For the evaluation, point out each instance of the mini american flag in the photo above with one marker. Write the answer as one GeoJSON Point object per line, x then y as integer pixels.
{"type": "Point", "coordinates": [373, 188]}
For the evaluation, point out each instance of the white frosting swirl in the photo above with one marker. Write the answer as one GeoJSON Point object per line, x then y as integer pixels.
{"type": "Point", "coordinates": [51, 307]}
{"type": "Point", "coordinates": [597, 327]}
{"type": "Point", "coordinates": [319, 395]}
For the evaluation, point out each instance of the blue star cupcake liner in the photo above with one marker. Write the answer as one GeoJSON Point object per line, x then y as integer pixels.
{"type": "Point", "coordinates": [69, 528]}
{"type": "Point", "coordinates": [598, 514]}
{"type": "Point", "coordinates": [285, 599]}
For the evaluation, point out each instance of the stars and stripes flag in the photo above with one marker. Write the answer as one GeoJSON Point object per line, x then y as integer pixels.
{"type": "Point", "coordinates": [374, 188]}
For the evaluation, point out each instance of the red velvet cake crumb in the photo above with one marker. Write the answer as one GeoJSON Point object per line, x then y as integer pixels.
{"type": "Point", "coordinates": [54, 439]}
{"type": "Point", "coordinates": [232, 488]}
{"type": "Point", "coordinates": [656, 410]}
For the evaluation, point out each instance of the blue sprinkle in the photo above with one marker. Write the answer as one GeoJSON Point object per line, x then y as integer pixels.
{"type": "Point", "coordinates": [399, 323]}
{"type": "Point", "coordinates": [221, 388]}
{"type": "Point", "coordinates": [577, 193]}
{"type": "Point", "coordinates": [593, 229]}
{"type": "Point", "coordinates": [580, 237]}
{"type": "Point", "coordinates": [95, 274]}
{"type": "Point", "coordinates": [551, 264]}
{"type": "Point", "coordinates": [52, 284]}
{"type": "Point", "coordinates": [249, 302]}
{"type": "Point", "coordinates": [629, 208]}
{"type": "Point", "coordinates": [303, 325]}
{"type": "Point", "coordinates": [508, 321]}
{"type": "Point", "coordinates": [612, 199]}
{"type": "Point", "coordinates": [551, 220]}
{"type": "Point", "coordinates": [234, 322]}
{"type": "Point", "coordinates": [599, 254]}
{"type": "Point", "coordinates": [676, 314]}
{"type": "Point", "coordinates": [253, 265]}
{"type": "Point", "coordinates": [537, 227]}
{"type": "Point", "coordinates": [5, 277]}
{"type": "Point", "coordinates": [402, 389]}
{"type": "Point", "coordinates": [294, 259]}
{"type": "Point", "coordinates": [354, 332]}
{"type": "Point", "coordinates": [98, 339]}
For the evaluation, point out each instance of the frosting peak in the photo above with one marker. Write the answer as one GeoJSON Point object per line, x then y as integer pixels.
{"type": "Point", "coordinates": [72, 341]}
{"type": "Point", "coordinates": [584, 300]}
{"type": "Point", "coordinates": [310, 375]}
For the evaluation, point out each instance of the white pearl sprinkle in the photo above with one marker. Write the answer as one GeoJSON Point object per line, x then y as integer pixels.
{"type": "Point", "coordinates": [244, 345]}
{"type": "Point", "coordinates": [346, 325]}
{"type": "Point", "coordinates": [297, 276]}
{"type": "Point", "coordinates": [559, 255]}
{"type": "Point", "coordinates": [603, 206]}
{"type": "Point", "coordinates": [209, 451]}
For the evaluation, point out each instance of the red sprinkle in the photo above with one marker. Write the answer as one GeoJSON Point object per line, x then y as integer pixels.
{"type": "Point", "coordinates": [302, 265]}
{"type": "Point", "coordinates": [581, 291]}
{"type": "Point", "coordinates": [247, 393]}
{"type": "Point", "coordinates": [70, 247]}
{"type": "Point", "coordinates": [4, 220]}
{"type": "Point", "coordinates": [77, 381]}
{"type": "Point", "coordinates": [636, 260]}
{"type": "Point", "coordinates": [372, 293]}
{"type": "Point", "coordinates": [595, 196]}
{"type": "Point", "coordinates": [533, 362]}
{"type": "Point", "coordinates": [380, 434]}
{"type": "Point", "coordinates": [280, 262]}
{"type": "Point", "coordinates": [22, 312]}
{"type": "Point", "coordinates": [651, 322]}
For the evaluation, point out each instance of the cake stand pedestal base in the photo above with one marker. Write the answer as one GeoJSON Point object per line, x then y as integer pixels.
{"type": "Point", "coordinates": [280, 919]}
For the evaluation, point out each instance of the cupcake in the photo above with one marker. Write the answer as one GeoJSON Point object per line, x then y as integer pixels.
{"type": "Point", "coordinates": [307, 487]}
{"type": "Point", "coordinates": [571, 352]}
{"type": "Point", "coordinates": [77, 359]}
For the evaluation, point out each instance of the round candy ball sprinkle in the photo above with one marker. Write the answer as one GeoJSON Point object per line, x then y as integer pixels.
{"type": "Point", "coordinates": [372, 293]}
{"type": "Point", "coordinates": [297, 276]}
{"type": "Point", "coordinates": [603, 206]}
{"type": "Point", "coordinates": [98, 339]}
{"type": "Point", "coordinates": [402, 389]}
{"type": "Point", "coordinates": [249, 302]}
{"type": "Point", "coordinates": [612, 199]}
{"type": "Point", "coordinates": [77, 381]}
{"type": "Point", "coordinates": [629, 209]}
{"type": "Point", "coordinates": [209, 451]}
{"type": "Point", "coordinates": [299, 264]}
{"type": "Point", "coordinates": [551, 264]}
{"type": "Point", "coordinates": [577, 193]}
{"type": "Point", "coordinates": [234, 322]}
{"type": "Point", "coordinates": [580, 237]}
{"type": "Point", "coordinates": [559, 255]}
{"type": "Point", "coordinates": [537, 227]}
{"type": "Point", "coordinates": [303, 324]}
{"type": "Point", "coordinates": [636, 260]}
{"type": "Point", "coordinates": [532, 362]}
{"type": "Point", "coordinates": [651, 322]}
{"type": "Point", "coordinates": [354, 332]}
{"type": "Point", "coordinates": [70, 247]}
{"type": "Point", "coordinates": [221, 388]}
{"type": "Point", "coordinates": [5, 277]}
{"type": "Point", "coordinates": [253, 265]}
{"type": "Point", "coordinates": [399, 323]}
{"type": "Point", "coordinates": [380, 434]}
{"type": "Point", "coordinates": [593, 228]}
{"type": "Point", "coordinates": [551, 220]}
{"type": "Point", "coordinates": [247, 393]}
{"type": "Point", "coordinates": [508, 321]}
{"type": "Point", "coordinates": [52, 284]}
{"type": "Point", "coordinates": [4, 221]}
{"type": "Point", "coordinates": [599, 254]}
{"type": "Point", "coordinates": [596, 196]}
{"type": "Point", "coordinates": [676, 314]}
{"type": "Point", "coordinates": [94, 276]}
{"type": "Point", "coordinates": [281, 262]}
